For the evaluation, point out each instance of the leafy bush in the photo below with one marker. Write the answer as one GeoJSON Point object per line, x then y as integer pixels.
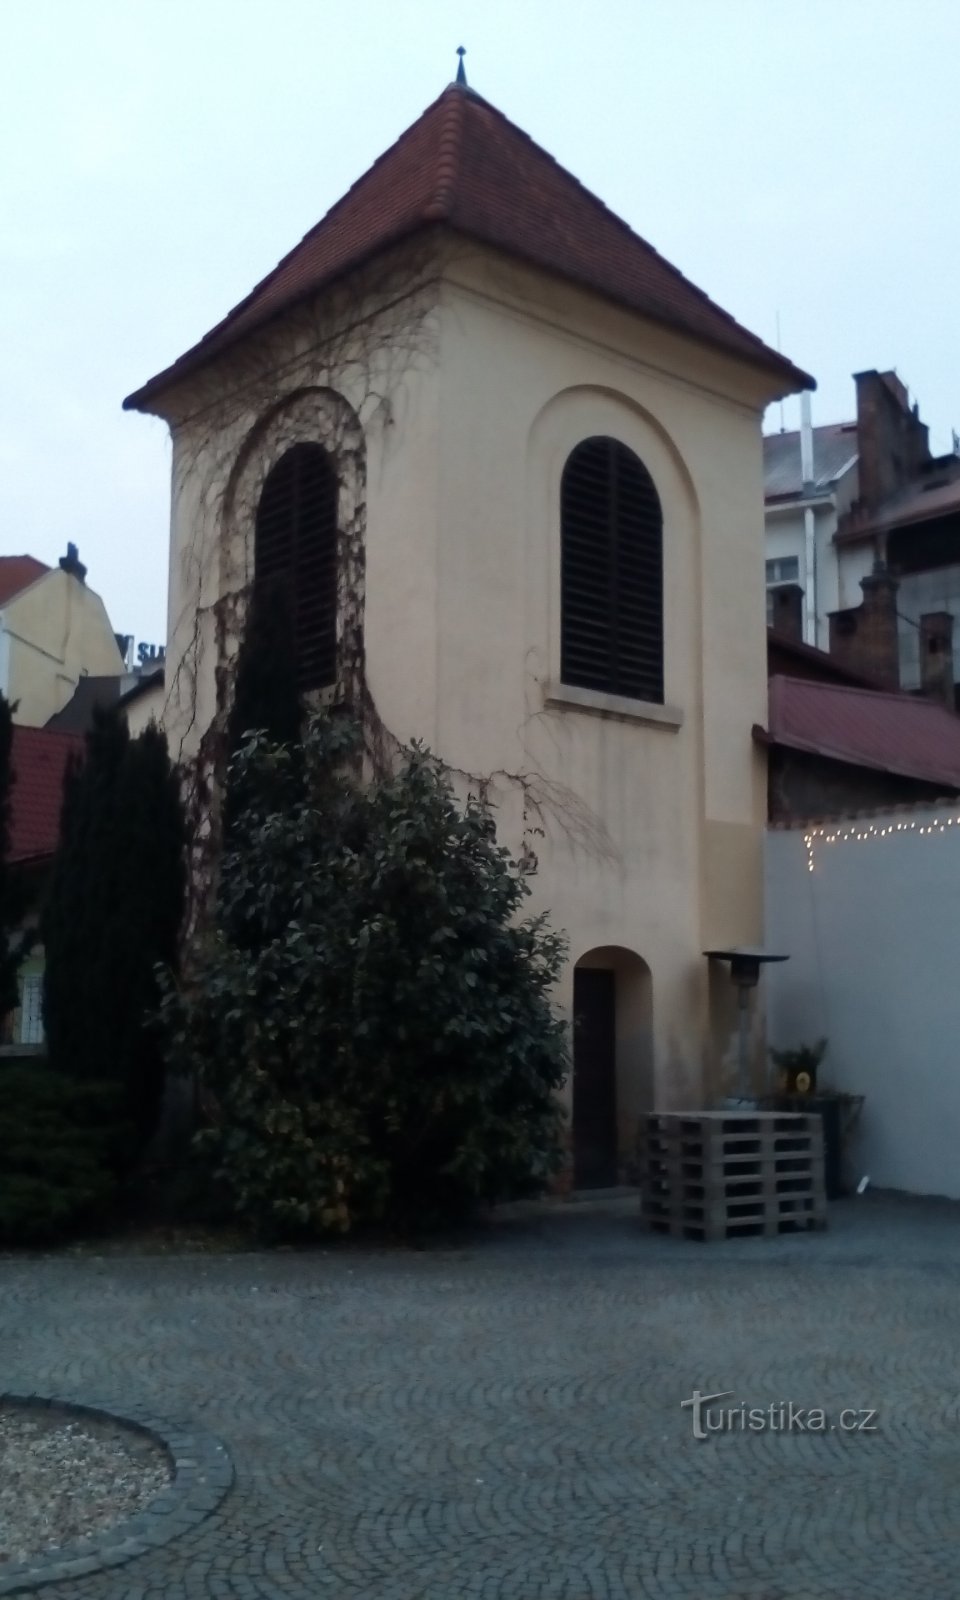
{"type": "Point", "coordinates": [60, 1144]}
{"type": "Point", "coordinates": [371, 1025]}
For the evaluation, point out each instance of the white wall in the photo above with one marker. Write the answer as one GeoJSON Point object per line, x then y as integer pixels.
{"type": "Point", "coordinates": [786, 536]}
{"type": "Point", "coordinates": [873, 935]}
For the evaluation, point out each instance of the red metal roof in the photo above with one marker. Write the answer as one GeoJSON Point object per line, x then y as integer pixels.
{"type": "Point", "coordinates": [464, 164]}
{"type": "Point", "coordinates": [18, 572]}
{"type": "Point", "coordinates": [898, 733]}
{"type": "Point", "coordinates": [40, 757]}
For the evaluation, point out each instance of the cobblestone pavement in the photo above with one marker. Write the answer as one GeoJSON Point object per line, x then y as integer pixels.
{"type": "Point", "coordinates": [500, 1419]}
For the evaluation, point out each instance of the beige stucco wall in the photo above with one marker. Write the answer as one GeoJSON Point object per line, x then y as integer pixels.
{"type": "Point", "coordinates": [646, 822]}
{"type": "Point", "coordinates": [145, 708]}
{"type": "Point", "coordinates": [55, 632]}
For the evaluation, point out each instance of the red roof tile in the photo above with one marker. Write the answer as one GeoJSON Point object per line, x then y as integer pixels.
{"type": "Point", "coordinates": [898, 733]}
{"type": "Point", "coordinates": [18, 572]}
{"type": "Point", "coordinates": [40, 758]}
{"type": "Point", "coordinates": [465, 165]}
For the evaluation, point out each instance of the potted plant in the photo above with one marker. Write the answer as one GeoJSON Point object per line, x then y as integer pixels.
{"type": "Point", "coordinates": [798, 1067]}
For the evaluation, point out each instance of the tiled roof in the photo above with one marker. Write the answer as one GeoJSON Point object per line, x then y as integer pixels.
{"type": "Point", "coordinates": [18, 572]}
{"type": "Point", "coordinates": [463, 164]}
{"type": "Point", "coordinates": [834, 452]}
{"type": "Point", "coordinates": [40, 758]}
{"type": "Point", "coordinates": [898, 733]}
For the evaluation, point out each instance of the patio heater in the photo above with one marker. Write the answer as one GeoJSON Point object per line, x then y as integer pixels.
{"type": "Point", "coordinates": [745, 963]}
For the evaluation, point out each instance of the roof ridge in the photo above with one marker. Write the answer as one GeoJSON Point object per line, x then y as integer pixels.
{"type": "Point", "coordinates": [818, 427]}
{"type": "Point", "coordinates": [450, 149]}
{"type": "Point", "coordinates": [900, 696]}
{"type": "Point", "coordinates": [22, 728]}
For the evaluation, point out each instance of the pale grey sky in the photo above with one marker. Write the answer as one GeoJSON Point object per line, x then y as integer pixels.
{"type": "Point", "coordinates": [159, 156]}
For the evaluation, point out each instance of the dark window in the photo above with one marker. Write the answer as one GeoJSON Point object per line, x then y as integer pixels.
{"type": "Point", "coordinates": [296, 548]}
{"type": "Point", "coordinates": [611, 573]}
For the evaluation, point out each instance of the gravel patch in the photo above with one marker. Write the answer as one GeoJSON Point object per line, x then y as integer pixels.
{"type": "Point", "coordinates": [62, 1480]}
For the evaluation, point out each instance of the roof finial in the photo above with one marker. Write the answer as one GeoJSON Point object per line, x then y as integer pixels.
{"type": "Point", "coordinates": [461, 69]}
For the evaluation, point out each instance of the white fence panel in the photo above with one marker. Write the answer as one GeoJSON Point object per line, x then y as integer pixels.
{"type": "Point", "coordinates": [869, 912]}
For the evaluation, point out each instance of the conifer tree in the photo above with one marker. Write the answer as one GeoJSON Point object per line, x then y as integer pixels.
{"type": "Point", "coordinates": [113, 913]}
{"type": "Point", "coordinates": [10, 901]}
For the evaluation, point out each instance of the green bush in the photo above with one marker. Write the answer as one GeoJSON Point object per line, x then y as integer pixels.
{"type": "Point", "coordinates": [372, 1025]}
{"type": "Point", "coordinates": [60, 1149]}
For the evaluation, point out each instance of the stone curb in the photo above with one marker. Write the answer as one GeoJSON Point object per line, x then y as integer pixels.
{"type": "Point", "coordinates": [202, 1476]}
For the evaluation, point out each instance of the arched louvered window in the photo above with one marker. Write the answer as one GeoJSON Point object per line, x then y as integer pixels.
{"type": "Point", "coordinates": [296, 546]}
{"type": "Point", "coordinates": [611, 534]}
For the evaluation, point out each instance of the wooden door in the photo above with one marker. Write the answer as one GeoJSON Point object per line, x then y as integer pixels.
{"type": "Point", "coordinates": [594, 1078]}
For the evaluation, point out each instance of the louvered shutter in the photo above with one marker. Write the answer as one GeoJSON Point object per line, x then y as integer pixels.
{"type": "Point", "coordinates": [611, 573]}
{"type": "Point", "coordinates": [296, 545]}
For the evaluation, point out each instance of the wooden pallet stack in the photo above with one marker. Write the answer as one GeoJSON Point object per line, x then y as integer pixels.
{"type": "Point", "coordinates": [723, 1174]}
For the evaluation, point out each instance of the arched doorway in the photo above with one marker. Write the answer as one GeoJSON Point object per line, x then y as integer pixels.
{"type": "Point", "coordinates": [612, 1061]}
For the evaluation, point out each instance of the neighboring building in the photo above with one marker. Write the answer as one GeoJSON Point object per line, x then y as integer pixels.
{"type": "Point", "coordinates": [810, 481]}
{"type": "Point", "coordinates": [136, 691]}
{"type": "Point", "coordinates": [845, 501]}
{"type": "Point", "coordinates": [90, 695]}
{"type": "Point", "coordinates": [54, 631]}
{"type": "Point", "coordinates": [509, 462]}
{"type": "Point", "coordinates": [39, 761]}
{"type": "Point", "coordinates": [834, 748]}
{"type": "Point", "coordinates": [143, 703]}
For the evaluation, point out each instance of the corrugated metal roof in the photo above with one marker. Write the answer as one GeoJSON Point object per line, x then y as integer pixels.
{"type": "Point", "coordinates": [463, 164]}
{"type": "Point", "coordinates": [39, 761]}
{"type": "Point", "coordinates": [834, 453]}
{"type": "Point", "coordinates": [17, 573]}
{"type": "Point", "coordinates": [898, 733]}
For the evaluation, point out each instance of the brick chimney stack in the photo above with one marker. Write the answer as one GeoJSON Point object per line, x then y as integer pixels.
{"type": "Point", "coordinates": [864, 637]}
{"type": "Point", "coordinates": [787, 601]}
{"type": "Point", "coordinates": [893, 445]}
{"type": "Point", "coordinates": [936, 657]}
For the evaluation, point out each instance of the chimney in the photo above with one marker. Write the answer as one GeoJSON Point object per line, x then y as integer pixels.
{"type": "Point", "coordinates": [787, 601]}
{"type": "Point", "coordinates": [864, 637]}
{"type": "Point", "coordinates": [72, 564]}
{"type": "Point", "coordinates": [936, 657]}
{"type": "Point", "coordinates": [893, 445]}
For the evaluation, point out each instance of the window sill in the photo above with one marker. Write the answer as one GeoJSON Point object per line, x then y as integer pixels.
{"type": "Point", "coordinates": [565, 697]}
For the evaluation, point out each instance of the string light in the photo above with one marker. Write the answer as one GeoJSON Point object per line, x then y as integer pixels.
{"type": "Point", "coordinates": [864, 833]}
